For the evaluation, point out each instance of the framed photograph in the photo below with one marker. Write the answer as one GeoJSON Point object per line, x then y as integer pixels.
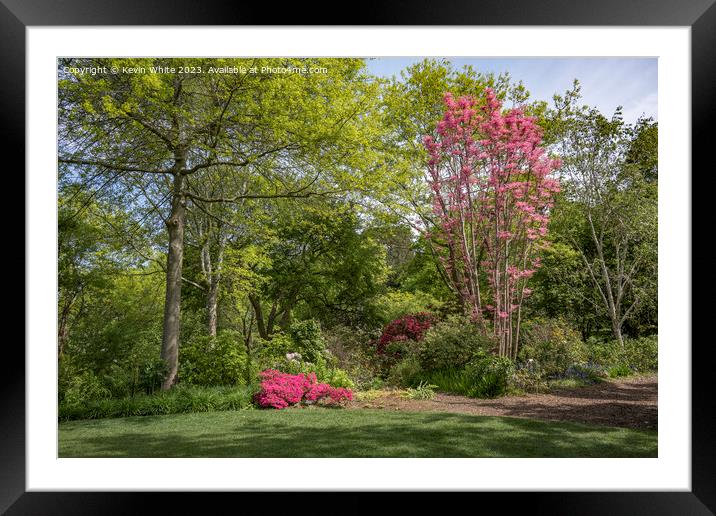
{"type": "Point", "coordinates": [425, 250]}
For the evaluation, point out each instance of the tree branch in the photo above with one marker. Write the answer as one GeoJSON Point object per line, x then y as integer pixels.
{"type": "Point", "coordinates": [111, 166]}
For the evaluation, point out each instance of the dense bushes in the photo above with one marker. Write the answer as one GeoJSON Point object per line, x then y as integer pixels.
{"type": "Point", "coordinates": [79, 387]}
{"type": "Point", "coordinates": [451, 344]}
{"type": "Point", "coordinates": [553, 354]}
{"type": "Point", "coordinates": [323, 368]}
{"type": "Point", "coordinates": [406, 372]}
{"type": "Point", "coordinates": [488, 375]}
{"type": "Point", "coordinates": [76, 385]}
{"type": "Point", "coordinates": [642, 354]}
{"type": "Point", "coordinates": [353, 352]}
{"type": "Point", "coordinates": [396, 334]}
{"type": "Point", "coordinates": [552, 344]}
{"type": "Point", "coordinates": [275, 348]}
{"type": "Point", "coordinates": [396, 304]}
{"type": "Point", "coordinates": [307, 339]}
{"type": "Point", "coordinates": [181, 399]}
{"type": "Point", "coordinates": [302, 350]}
{"type": "Point", "coordinates": [205, 361]}
{"type": "Point", "coordinates": [304, 338]}
{"type": "Point", "coordinates": [525, 379]}
{"type": "Point", "coordinates": [637, 355]}
{"type": "Point", "coordinates": [151, 375]}
{"type": "Point", "coordinates": [488, 378]}
{"type": "Point", "coordinates": [552, 350]}
{"type": "Point", "coordinates": [219, 360]}
{"type": "Point", "coordinates": [412, 351]}
{"type": "Point", "coordinates": [454, 356]}
{"type": "Point", "coordinates": [398, 340]}
{"type": "Point", "coordinates": [485, 376]}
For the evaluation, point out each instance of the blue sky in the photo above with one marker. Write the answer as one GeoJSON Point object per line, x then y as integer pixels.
{"type": "Point", "coordinates": [606, 82]}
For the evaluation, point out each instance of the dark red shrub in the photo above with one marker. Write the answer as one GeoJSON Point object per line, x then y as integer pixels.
{"type": "Point", "coordinates": [409, 327]}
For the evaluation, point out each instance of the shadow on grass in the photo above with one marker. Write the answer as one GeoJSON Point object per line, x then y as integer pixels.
{"type": "Point", "coordinates": [321, 433]}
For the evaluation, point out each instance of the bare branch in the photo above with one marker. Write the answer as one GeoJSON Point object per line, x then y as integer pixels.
{"type": "Point", "coordinates": [153, 130]}
{"type": "Point", "coordinates": [112, 166]}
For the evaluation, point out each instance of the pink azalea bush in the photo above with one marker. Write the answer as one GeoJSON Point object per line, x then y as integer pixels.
{"type": "Point", "coordinates": [280, 390]}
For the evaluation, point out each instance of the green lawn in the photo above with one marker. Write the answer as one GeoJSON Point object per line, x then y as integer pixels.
{"type": "Point", "coordinates": [345, 433]}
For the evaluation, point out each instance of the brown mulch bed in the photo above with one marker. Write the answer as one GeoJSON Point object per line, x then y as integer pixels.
{"type": "Point", "coordinates": [624, 402]}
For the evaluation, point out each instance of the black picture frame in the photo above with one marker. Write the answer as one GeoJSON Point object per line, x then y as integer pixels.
{"type": "Point", "coordinates": [700, 15]}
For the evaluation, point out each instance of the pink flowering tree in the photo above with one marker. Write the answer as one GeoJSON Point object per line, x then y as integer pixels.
{"type": "Point", "coordinates": [492, 191]}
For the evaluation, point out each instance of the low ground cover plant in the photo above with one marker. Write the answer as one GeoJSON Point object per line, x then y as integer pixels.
{"type": "Point", "coordinates": [181, 399]}
{"type": "Point", "coordinates": [369, 395]}
{"type": "Point", "coordinates": [424, 391]}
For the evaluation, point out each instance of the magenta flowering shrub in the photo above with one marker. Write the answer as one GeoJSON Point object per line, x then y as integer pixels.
{"type": "Point", "coordinates": [280, 390]}
{"type": "Point", "coordinates": [327, 395]}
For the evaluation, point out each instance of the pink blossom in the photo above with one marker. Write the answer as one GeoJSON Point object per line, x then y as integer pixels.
{"type": "Point", "coordinates": [492, 192]}
{"type": "Point", "coordinates": [280, 390]}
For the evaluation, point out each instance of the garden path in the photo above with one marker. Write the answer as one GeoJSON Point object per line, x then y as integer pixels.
{"type": "Point", "coordinates": [624, 402]}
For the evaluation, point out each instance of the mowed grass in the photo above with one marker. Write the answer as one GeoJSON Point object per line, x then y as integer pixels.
{"type": "Point", "coordinates": [318, 432]}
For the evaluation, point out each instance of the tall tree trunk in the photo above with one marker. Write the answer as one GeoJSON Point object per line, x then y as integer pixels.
{"type": "Point", "coordinates": [287, 316]}
{"type": "Point", "coordinates": [617, 330]}
{"type": "Point", "coordinates": [258, 310]}
{"type": "Point", "coordinates": [63, 324]}
{"type": "Point", "coordinates": [271, 319]}
{"type": "Point", "coordinates": [63, 330]}
{"type": "Point", "coordinates": [212, 297]}
{"type": "Point", "coordinates": [614, 314]}
{"type": "Point", "coordinates": [214, 279]}
{"type": "Point", "coordinates": [175, 256]}
{"type": "Point", "coordinates": [61, 340]}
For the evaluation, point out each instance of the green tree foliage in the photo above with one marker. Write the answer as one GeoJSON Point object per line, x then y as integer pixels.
{"type": "Point", "coordinates": [214, 360]}
{"type": "Point", "coordinates": [322, 264]}
{"type": "Point", "coordinates": [609, 213]}
{"type": "Point", "coordinates": [210, 223]}
{"type": "Point", "coordinates": [159, 137]}
{"type": "Point", "coordinates": [118, 337]}
{"type": "Point", "coordinates": [412, 104]}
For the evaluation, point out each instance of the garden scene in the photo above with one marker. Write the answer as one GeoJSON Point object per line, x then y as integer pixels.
{"type": "Point", "coordinates": [347, 257]}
